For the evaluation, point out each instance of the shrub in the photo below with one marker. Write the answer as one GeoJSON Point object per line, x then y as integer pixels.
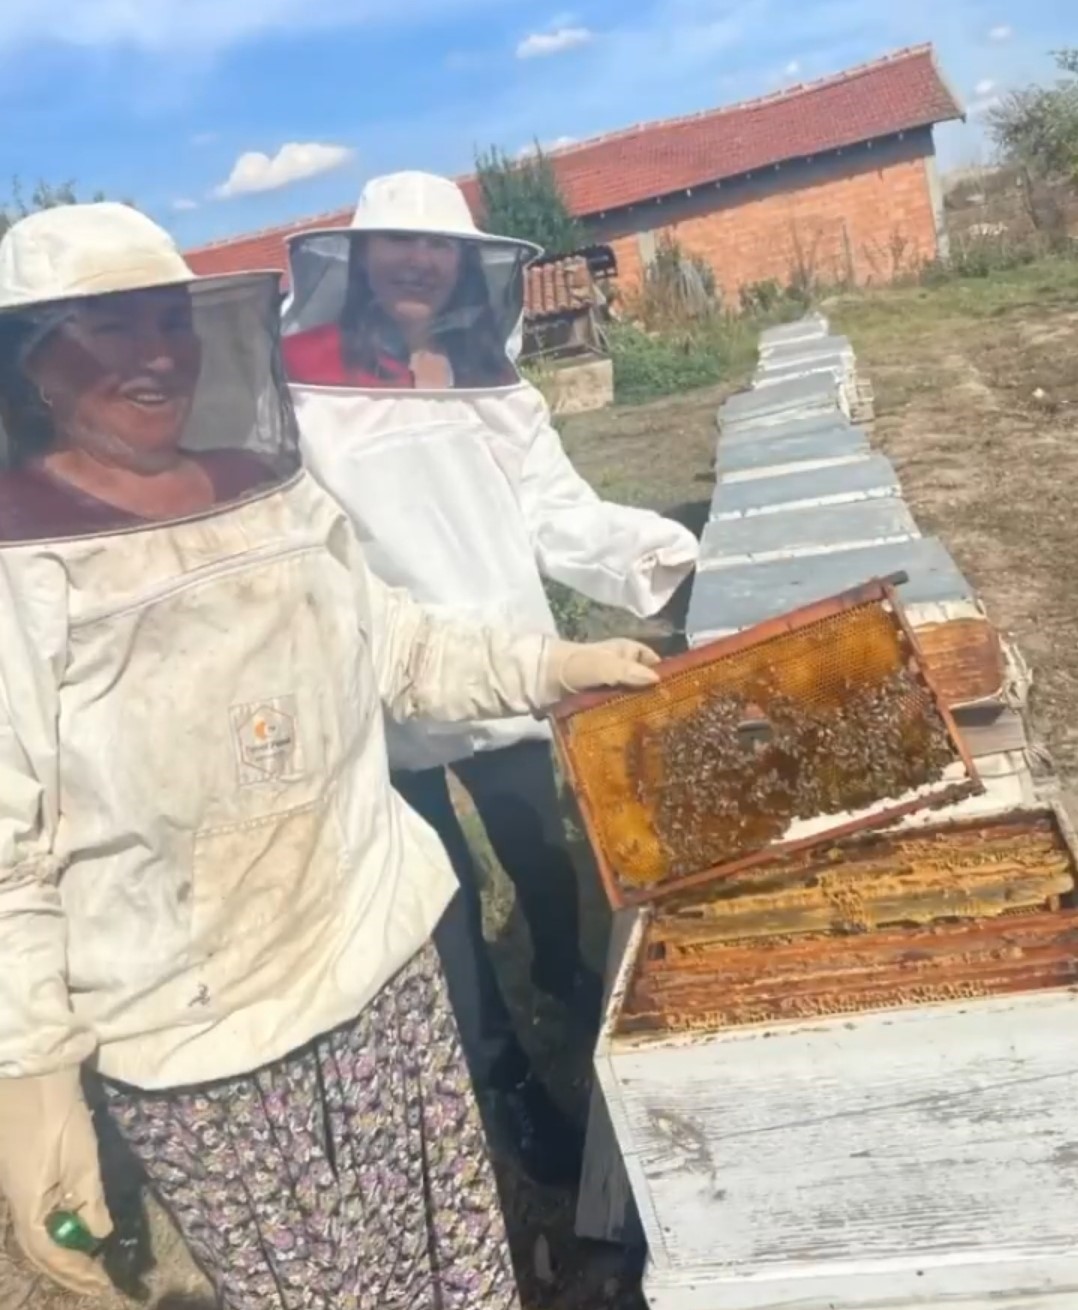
{"type": "Point", "coordinates": [647, 366]}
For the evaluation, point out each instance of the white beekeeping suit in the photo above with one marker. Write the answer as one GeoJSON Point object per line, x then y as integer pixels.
{"type": "Point", "coordinates": [459, 489]}
{"type": "Point", "coordinates": [202, 862]}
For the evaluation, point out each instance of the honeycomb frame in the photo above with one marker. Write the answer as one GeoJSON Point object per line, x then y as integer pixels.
{"type": "Point", "coordinates": [810, 652]}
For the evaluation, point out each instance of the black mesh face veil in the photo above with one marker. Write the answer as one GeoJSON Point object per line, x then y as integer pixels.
{"type": "Point", "coordinates": [180, 383]}
{"type": "Point", "coordinates": [357, 282]}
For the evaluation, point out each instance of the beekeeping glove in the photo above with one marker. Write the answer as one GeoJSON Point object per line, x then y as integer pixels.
{"type": "Point", "coordinates": [49, 1161]}
{"type": "Point", "coordinates": [572, 666]}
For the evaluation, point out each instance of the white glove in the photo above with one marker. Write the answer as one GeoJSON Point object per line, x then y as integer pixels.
{"type": "Point", "coordinates": [49, 1161]}
{"type": "Point", "coordinates": [571, 666]}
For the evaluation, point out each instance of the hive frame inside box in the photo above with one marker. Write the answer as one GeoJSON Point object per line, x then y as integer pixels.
{"type": "Point", "coordinates": [878, 591]}
{"type": "Point", "coordinates": [897, 1159]}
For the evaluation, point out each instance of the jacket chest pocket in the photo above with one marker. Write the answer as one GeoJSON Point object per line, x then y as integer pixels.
{"type": "Point", "coordinates": [235, 698]}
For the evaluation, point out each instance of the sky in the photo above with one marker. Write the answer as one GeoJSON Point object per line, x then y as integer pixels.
{"type": "Point", "coordinates": [219, 117]}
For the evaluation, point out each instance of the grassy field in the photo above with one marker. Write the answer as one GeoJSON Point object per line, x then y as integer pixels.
{"type": "Point", "coordinates": [977, 399]}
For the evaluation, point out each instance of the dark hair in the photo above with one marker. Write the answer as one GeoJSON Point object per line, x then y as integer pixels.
{"type": "Point", "coordinates": [24, 416]}
{"type": "Point", "coordinates": [475, 348]}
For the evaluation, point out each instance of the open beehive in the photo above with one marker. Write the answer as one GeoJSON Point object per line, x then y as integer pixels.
{"type": "Point", "coordinates": [876, 922]}
{"type": "Point", "coordinates": [836, 1057]}
{"type": "Point", "coordinates": [822, 723]}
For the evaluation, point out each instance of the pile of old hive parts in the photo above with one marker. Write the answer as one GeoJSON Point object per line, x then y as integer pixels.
{"type": "Point", "coordinates": [845, 1079]}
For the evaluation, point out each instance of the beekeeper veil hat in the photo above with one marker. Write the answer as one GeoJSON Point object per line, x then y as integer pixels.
{"type": "Point", "coordinates": [103, 323]}
{"type": "Point", "coordinates": [332, 283]}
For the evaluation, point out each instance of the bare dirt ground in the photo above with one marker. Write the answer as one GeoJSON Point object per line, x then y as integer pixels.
{"type": "Point", "coordinates": [977, 397]}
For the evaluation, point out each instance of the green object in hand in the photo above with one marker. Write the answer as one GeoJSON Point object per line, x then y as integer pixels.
{"type": "Point", "coordinates": [67, 1230]}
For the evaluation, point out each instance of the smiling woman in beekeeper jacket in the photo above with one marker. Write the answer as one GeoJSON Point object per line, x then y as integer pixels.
{"type": "Point", "coordinates": [413, 416]}
{"type": "Point", "coordinates": [210, 894]}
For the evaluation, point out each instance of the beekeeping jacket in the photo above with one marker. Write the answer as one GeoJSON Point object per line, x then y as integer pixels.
{"type": "Point", "coordinates": [463, 495]}
{"type": "Point", "coordinates": [202, 862]}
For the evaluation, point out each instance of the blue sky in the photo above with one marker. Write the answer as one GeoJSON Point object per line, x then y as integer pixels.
{"type": "Point", "coordinates": [221, 116]}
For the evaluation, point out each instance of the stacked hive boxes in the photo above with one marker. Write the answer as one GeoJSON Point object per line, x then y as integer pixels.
{"type": "Point", "coordinates": [804, 508]}
{"type": "Point", "coordinates": [847, 1081]}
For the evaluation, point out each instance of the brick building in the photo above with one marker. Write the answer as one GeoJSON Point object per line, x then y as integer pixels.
{"type": "Point", "coordinates": [834, 179]}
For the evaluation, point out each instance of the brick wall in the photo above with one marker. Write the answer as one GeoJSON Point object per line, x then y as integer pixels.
{"type": "Point", "coordinates": [868, 212]}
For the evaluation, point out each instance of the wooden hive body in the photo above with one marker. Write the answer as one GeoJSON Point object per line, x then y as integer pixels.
{"type": "Point", "coordinates": [879, 1114]}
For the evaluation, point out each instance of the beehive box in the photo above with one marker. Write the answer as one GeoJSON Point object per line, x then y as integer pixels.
{"type": "Point", "coordinates": [841, 1073]}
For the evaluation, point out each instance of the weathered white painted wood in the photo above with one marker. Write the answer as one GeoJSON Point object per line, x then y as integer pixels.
{"type": "Point", "coordinates": [795, 352]}
{"type": "Point", "coordinates": [806, 531]}
{"type": "Point", "coordinates": [732, 433]}
{"type": "Point", "coordinates": [843, 478]}
{"type": "Point", "coordinates": [1008, 785]}
{"type": "Point", "coordinates": [936, 1136]}
{"type": "Point", "coordinates": [1030, 1283]}
{"type": "Point", "coordinates": [991, 730]}
{"type": "Point", "coordinates": [797, 396]}
{"type": "Point", "coordinates": [746, 594]}
{"type": "Point", "coordinates": [835, 441]}
{"type": "Point", "coordinates": [605, 1211]}
{"type": "Point", "coordinates": [809, 328]}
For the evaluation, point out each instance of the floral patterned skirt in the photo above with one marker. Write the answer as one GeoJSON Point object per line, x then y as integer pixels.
{"type": "Point", "coordinates": [352, 1175]}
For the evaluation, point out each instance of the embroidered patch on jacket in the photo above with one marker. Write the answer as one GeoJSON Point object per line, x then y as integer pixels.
{"type": "Point", "coordinates": [267, 741]}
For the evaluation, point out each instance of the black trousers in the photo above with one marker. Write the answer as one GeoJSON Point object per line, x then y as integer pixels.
{"type": "Point", "coordinates": [515, 794]}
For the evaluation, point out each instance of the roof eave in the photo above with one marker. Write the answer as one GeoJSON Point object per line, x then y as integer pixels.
{"type": "Point", "coordinates": [717, 183]}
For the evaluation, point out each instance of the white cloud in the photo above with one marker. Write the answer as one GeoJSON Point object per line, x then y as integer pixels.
{"type": "Point", "coordinates": [204, 139]}
{"type": "Point", "coordinates": [558, 143]}
{"type": "Point", "coordinates": [793, 68]}
{"type": "Point", "coordinates": [294, 162]}
{"type": "Point", "coordinates": [984, 87]}
{"type": "Point", "coordinates": [978, 108]}
{"type": "Point", "coordinates": [539, 45]}
{"type": "Point", "coordinates": [1002, 32]}
{"type": "Point", "coordinates": [184, 205]}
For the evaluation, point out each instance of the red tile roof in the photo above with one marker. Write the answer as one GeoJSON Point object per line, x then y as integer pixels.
{"type": "Point", "coordinates": [899, 93]}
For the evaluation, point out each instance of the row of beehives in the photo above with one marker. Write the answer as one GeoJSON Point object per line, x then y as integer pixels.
{"type": "Point", "coordinates": [804, 508]}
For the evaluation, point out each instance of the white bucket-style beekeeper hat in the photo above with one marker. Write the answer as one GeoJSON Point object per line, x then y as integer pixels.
{"type": "Point", "coordinates": [408, 204]}
{"type": "Point", "coordinates": [423, 204]}
{"type": "Point", "coordinates": [74, 251]}
{"type": "Point", "coordinates": [55, 259]}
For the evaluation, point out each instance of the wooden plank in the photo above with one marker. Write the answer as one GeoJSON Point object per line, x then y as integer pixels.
{"type": "Point", "coordinates": [729, 542]}
{"type": "Point", "coordinates": [855, 479]}
{"type": "Point", "coordinates": [605, 1211]}
{"type": "Point", "coordinates": [839, 367]}
{"type": "Point", "coordinates": [1008, 1282]}
{"type": "Point", "coordinates": [798, 351]}
{"type": "Point", "coordinates": [988, 733]}
{"type": "Point", "coordinates": [820, 443]}
{"type": "Point", "coordinates": [891, 1140]}
{"type": "Point", "coordinates": [740, 597]}
{"type": "Point", "coordinates": [810, 328]}
{"type": "Point", "coordinates": [798, 394]}
{"type": "Point", "coordinates": [734, 434]}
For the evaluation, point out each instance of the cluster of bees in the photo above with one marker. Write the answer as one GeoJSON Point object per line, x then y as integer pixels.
{"type": "Point", "coordinates": [724, 783]}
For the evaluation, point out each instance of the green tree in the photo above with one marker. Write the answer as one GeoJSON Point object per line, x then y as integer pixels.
{"type": "Point", "coordinates": [1037, 127]}
{"type": "Point", "coordinates": [45, 195]}
{"type": "Point", "coordinates": [521, 198]}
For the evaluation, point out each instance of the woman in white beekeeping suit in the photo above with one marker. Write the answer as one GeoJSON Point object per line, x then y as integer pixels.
{"type": "Point", "coordinates": [210, 895]}
{"type": "Point", "coordinates": [398, 342]}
